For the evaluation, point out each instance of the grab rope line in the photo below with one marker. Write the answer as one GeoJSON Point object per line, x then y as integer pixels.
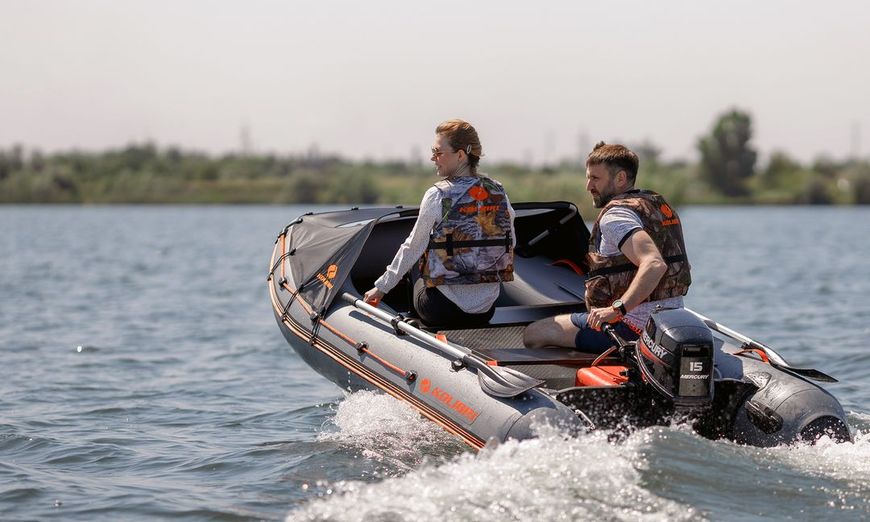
{"type": "Point", "coordinates": [756, 351]}
{"type": "Point", "coordinates": [281, 259]}
{"type": "Point", "coordinates": [391, 388]}
{"type": "Point", "coordinates": [361, 347]}
{"type": "Point", "coordinates": [376, 380]}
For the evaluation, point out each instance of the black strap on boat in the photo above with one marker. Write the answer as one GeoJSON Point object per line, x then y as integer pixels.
{"type": "Point", "coordinates": [280, 260]}
{"type": "Point", "coordinates": [285, 314]}
{"type": "Point", "coordinates": [629, 266]}
{"type": "Point", "coordinates": [290, 224]}
{"type": "Point", "coordinates": [315, 326]}
{"type": "Point", "coordinates": [449, 244]}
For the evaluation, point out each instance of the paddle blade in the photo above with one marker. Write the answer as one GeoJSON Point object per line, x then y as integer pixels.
{"type": "Point", "coordinates": [809, 373]}
{"type": "Point", "coordinates": [504, 382]}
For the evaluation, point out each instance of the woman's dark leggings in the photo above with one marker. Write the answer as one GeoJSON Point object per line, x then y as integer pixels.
{"type": "Point", "coordinates": [435, 309]}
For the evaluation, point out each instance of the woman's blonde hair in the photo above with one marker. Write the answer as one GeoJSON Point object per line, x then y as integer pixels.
{"type": "Point", "coordinates": [462, 136]}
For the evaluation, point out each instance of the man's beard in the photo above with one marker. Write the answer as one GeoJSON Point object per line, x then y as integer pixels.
{"type": "Point", "coordinates": [601, 200]}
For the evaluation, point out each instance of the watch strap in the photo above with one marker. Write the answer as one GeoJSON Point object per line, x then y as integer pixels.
{"type": "Point", "coordinates": [619, 306]}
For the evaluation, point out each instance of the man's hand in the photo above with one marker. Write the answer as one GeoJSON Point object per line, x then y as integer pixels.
{"type": "Point", "coordinates": [599, 316]}
{"type": "Point", "coordinates": [373, 297]}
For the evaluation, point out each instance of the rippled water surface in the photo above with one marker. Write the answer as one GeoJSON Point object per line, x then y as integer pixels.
{"type": "Point", "coordinates": [144, 377]}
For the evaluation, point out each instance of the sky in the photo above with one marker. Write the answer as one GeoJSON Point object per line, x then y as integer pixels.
{"type": "Point", "coordinates": [541, 81]}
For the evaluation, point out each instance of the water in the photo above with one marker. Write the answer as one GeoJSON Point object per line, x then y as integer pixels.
{"type": "Point", "coordinates": [143, 376]}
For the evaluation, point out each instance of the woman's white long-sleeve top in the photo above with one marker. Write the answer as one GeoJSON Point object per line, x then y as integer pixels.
{"type": "Point", "coordinates": [475, 298]}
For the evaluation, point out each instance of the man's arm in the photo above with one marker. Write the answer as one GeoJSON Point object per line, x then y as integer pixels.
{"type": "Point", "coordinates": [640, 249]}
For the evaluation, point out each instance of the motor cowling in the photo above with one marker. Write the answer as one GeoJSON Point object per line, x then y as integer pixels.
{"type": "Point", "coordinates": [675, 357]}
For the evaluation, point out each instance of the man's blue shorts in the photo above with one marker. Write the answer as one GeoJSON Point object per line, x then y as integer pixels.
{"type": "Point", "coordinates": [596, 341]}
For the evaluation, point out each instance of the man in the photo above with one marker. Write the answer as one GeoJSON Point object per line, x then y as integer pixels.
{"type": "Point", "coordinates": [637, 259]}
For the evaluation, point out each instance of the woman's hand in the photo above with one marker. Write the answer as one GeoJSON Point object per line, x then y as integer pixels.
{"type": "Point", "coordinates": [373, 297]}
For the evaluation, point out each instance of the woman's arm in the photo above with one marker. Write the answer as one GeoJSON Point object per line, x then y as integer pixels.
{"type": "Point", "coordinates": [412, 249]}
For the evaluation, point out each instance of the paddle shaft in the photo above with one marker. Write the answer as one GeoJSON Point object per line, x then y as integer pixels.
{"type": "Point", "coordinates": [494, 380]}
{"type": "Point", "coordinates": [546, 233]}
{"type": "Point", "coordinates": [416, 333]}
{"type": "Point", "coordinates": [713, 325]}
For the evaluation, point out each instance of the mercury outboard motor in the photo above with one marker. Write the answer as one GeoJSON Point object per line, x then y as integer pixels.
{"type": "Point", "coordinates": [675, 357]}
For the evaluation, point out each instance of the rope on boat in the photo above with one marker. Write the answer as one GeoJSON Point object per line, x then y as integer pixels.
{"type": "Point", "coordinates": [361, 346]}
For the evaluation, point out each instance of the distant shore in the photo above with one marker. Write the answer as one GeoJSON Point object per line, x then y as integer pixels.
{"type": "Point", "coordinates": [145, 174]}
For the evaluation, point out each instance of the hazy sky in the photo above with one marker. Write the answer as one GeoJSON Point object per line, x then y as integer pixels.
{"type": "Point", "coordinates": [372, 78]}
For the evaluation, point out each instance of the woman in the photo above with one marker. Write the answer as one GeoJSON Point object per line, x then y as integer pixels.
{"type": "Point", "coordinates": [461, 246]}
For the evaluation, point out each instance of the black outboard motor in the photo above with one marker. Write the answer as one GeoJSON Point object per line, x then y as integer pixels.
{"type": "Point", "coordinates": [675, 356]}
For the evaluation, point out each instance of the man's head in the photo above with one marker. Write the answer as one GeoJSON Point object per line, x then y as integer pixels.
{"type": "Point", "coordinates": [610, 170]}
{"type": "Point", "coordinates": [456, 142]}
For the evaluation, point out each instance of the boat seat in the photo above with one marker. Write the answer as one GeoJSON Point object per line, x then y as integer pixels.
{"type": "Point", "coordinates": [505, 345]}
{"type": "Point", "coordinates": [537, 281]}
{"type": "Point", "coordinates": [517, 315]}
{"type": "Point", "coordinates": [512, 356]}
{"type": "Point", "coordinates": [524, 314]}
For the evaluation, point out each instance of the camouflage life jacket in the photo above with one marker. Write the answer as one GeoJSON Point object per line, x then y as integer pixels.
{"type": "Point", "coordinates": [472, 242]}
{"type": "Point", "coordinates": [610, 276]}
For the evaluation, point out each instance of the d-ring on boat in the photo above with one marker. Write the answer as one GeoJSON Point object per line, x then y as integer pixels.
{"type": "Point", "coordinates": [482, 384]}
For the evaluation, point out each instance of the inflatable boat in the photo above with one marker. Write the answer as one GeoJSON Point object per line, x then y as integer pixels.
{"type": "Point", "coordinates": [482, 384]}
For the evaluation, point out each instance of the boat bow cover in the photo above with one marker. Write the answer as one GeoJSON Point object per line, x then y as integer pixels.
{"type": "Point", "coordinates": [322, 248]}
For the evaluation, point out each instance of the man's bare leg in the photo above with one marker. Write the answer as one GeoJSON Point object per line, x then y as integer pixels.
{"type": "Point", "coordinates": [556, 331]}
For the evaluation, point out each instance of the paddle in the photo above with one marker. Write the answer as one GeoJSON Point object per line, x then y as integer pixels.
{"type": "Point", "coordinates": [776, 360]}
{"type": "Point", "coordinates": [497, 381]}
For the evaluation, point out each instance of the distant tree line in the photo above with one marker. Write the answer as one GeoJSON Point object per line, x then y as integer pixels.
{"type": "Point", "coordinates": [728, 165]}
{"type": "Point", "coordinates": [144, 173]}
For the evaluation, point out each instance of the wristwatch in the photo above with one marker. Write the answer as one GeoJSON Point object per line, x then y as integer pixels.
{"type": "Point", "coordinates": [619, 306]}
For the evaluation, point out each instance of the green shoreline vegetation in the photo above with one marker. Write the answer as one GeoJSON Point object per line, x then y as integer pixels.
{"type": "Point", "coordinates": [145, 174]}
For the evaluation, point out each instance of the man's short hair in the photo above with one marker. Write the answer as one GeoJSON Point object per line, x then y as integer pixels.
{"type": "Point", "coordinates": [615, 157]}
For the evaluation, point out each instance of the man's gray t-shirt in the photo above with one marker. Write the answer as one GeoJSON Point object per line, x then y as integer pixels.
{"type": "Point", "coordinates": [616, 226]}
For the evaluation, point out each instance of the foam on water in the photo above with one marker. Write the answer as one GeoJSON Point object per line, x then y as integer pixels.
{"type": "Point", "coordinates": [388, 430]}
{"type": "Point", "coordinates": [824, 480]}
{"type": "Point", "coordinates": [659, 473]}
{"type": "Point", "coordinates": [845, 462]}
{"type": "Point", "coordinates": [553, 477]}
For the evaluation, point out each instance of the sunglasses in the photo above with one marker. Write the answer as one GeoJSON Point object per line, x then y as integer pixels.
{"type": "Point", "coordinates": [437, 153]}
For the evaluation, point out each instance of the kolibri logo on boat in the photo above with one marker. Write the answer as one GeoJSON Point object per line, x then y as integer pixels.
{"type": "Point", "coordinates": [330, 274]}
{"type": "Point", "coordinates": [444, 397]}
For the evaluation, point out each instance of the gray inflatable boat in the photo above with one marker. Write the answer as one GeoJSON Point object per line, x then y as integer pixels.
{"type": "Point", "coordinates": [482, 384]}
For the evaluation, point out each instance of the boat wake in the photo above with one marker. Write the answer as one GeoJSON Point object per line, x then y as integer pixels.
{"type": "Point", "coordinates": [657, 473]}
{"type": "Point", "coordinates": [388, 431]}
{"type": "Point", "coordinates": [553, 477]}
{"type": "Point", "coordinates": [843, 462]}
